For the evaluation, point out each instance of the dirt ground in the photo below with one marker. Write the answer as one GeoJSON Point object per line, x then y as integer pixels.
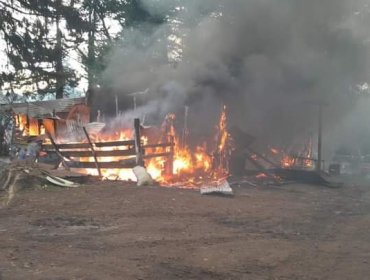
{"type": "Point", "coordinates": [125, 232]}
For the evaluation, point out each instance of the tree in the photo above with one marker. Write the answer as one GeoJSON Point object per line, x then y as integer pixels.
{"type": "Point", "coordinates": [107, 20]}
{"type": "Point", "coordinates": [38, 34]}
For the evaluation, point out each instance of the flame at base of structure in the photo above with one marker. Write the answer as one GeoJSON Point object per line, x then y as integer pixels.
{"type": "Point", "coordinates": [183, 165]}
{"type": "Point", "coordinates": [193, 166]}
{"type": "Point", "coordinates": [302, 159]}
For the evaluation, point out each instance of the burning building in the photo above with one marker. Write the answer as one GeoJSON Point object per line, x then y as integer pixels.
{"type": "Point", "coordinates": [34, 119]}
{"type": "Point", "coordinates": [270, 74]}
{"type": "Point", "coordinates": [111, 154]}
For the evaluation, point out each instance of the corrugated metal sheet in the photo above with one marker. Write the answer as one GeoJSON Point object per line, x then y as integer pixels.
{"type": "Point", "coordinates": [43, 109]}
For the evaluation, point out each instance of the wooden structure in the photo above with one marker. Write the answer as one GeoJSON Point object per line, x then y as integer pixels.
{"type": "Point", "coordinates": [126, 154]}
{"type": "Point", "coordinates": [54, 116]}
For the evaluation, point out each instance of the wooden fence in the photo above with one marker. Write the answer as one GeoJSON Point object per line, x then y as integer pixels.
{"type": "Point", "coordinates": [133, 151]}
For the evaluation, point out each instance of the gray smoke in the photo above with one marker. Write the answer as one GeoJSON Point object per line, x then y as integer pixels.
{"type": "Point", "coordinates": [271, 62]}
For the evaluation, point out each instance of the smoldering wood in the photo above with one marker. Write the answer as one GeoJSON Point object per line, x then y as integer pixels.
{"type": "Point", "coordinates": [260, 167]}
{"type": "Point", "coordinates": [274, 164]}
{"type": "Point", "coordinates": [306, 177]}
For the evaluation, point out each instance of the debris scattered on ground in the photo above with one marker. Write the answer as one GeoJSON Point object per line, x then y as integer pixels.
{"type": "Point", "coordinates": [61, 182]}
{"type": "Point", "coordinates": [307, 177]}
{"type": "Point", "coordinates": [21, 175]}
{"type": "Point", "coordinates": [222, 188]}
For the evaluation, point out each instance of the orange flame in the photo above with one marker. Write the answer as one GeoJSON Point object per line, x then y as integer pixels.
{"type": "Point", "coordinates": [288, 162]}
{"type": "Point", "coordinates": [190, 166]}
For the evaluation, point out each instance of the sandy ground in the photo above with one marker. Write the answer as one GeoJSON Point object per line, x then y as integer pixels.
{"type": "Point", "coordinates": [125, 232]}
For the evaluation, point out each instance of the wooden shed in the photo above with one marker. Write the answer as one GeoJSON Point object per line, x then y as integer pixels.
{"type": "Point", "coordinates": [35, 118]}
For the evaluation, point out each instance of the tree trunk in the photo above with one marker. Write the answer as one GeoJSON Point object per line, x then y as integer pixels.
{"type": "Point", "coordinates": [91, 51]}
{"type": "Point", "coordinates": [91, 57]}
{"type": "Point", "coordinates": [59, 57]}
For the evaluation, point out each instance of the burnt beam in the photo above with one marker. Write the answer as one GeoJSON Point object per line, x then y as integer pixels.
{"type": "Point", "coordinates": [138, 147]}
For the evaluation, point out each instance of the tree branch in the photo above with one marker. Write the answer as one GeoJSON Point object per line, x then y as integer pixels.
{"type": "Point", "coordinates": [18, 10]}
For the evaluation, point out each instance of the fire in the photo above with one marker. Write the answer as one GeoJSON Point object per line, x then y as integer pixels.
{"type": "Point", "coordinates": [288, 162]}
{"type": "Point", "coordinates": [308, 163]}
{"type": "Point", "coordinates": [183, 164]}
{"type": "Point", "coordinates": [110, 174]}
{"type": "Point", "coordinates": [21, 122]}
{"type": "Point", "coordinates": [188, 164]}
{"type": "Point", "coordinates": [33, 127]}
{"type": "Point", "coordinates": [202, 159]}
{"type": "Point", "coordinates": [224, 135]}
{"type": "Point", "coordinates": [303, 159]}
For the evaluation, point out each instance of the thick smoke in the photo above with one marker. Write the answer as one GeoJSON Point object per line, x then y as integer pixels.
{"type": "Point", "coordinates": [271, 62]}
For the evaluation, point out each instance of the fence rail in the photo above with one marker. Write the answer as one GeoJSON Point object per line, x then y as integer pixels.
{"type": "Point", "coordinates": [121, 154]}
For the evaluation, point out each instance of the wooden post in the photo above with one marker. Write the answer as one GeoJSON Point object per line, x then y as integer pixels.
{"type": "Point", "coordinates": [116, 102]}
{"type": "Point", "coordinates": [138, 148]}
{"type": "Point", "coordinates": [169, 163]}
{"type": "Point", "coordinates": [92, 151]}
{"type": "Point", "coordinates": [319, 145]}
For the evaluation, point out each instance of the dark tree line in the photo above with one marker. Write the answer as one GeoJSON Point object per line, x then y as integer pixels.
{"type": "Point", "coordinates": [40, 35]}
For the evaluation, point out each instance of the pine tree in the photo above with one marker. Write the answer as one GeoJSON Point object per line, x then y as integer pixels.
{"type": "Point", "coordinates": [37, 45]}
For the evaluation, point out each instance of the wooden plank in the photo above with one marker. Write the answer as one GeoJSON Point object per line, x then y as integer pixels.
{"type": "Point", "coordinates": [87, 145]}
{"type": "Point", "coordinates": [170, 158]}
{"type": "Point", "coordinates": [113, 153]}
{"type": "Point", "coordinates": [261, 167]}
{"type": "Point", "coordinates": [68, 146]}
{"type": "Point", "coordinates": [115, 143]}
{"type": "Point", "coordinates": [274, 164]}
{"type": "Point", "coordinates": [102, 165]}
